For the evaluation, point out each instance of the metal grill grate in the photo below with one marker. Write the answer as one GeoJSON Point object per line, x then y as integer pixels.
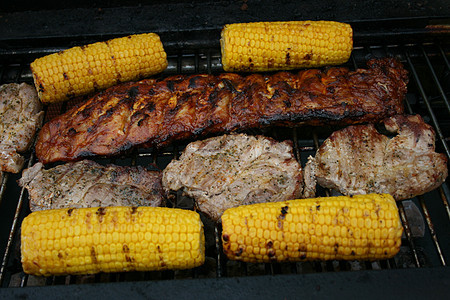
{"type": "Point", "coordinates": [426, 219]}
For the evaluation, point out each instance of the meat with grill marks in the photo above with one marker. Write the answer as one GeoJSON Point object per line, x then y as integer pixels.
{"type": "Point", "coordinates": [236, 169]}
{"type": "Point", "coordinates": [186, 107]}
{"type": "Point", "coordinates": [20, 117]}
{"type": "Point", "coordinates": [360, 160]}
{"type": "Point", "coordinates": [89, 184]}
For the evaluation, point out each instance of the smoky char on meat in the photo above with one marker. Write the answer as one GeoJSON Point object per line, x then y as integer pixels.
{"type": "Point", "coordinates": [185, 107]}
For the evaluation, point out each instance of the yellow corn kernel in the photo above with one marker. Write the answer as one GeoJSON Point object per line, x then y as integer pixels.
{"type": "Point", "coordinates": [82, 70]}
{"type": "Point", "coordinates": [99, 250]}
{"type": "Point", "coordinates": [272, 46]}
{"type": "Point", "coordinates": [330, 230]}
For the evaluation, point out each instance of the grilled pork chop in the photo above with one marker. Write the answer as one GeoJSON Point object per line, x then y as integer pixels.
{"type": "Point", "coordinates": [360, 160]}
{"type": "Point", "coordinates": [20, 115]}
{"type": "Point", "coordinates": [154, 113]}
{"type": "Point", "coordinates": [232, 170]}
{"type": "Point", "coordinates": [89, 184]}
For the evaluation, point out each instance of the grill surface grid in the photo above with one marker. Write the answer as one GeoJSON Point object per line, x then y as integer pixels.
{"type": "Point", "coordinates": [426, 219]}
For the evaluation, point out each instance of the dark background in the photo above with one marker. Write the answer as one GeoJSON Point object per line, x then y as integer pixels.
{"type": "Point", "coordinates": [25, 19]}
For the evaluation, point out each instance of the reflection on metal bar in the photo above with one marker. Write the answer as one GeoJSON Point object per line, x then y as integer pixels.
{"type": "Point", "coordinates": [316, 140]}
{"type": "Point", "coordinates": [444, 56]}
{"type": "Point", "coordinates": [355, 65]}
{"type": "Point", "coordinates": [196, 63]}
{"type": "Point", "coordinates": [432, 231]}
{"type": "Point", "coordinates": [444, 200]}
{"type": "Point", "coordinates": [3, 180]}
{"type": "Point", "coordinates": [12, 232]}
{"type": "Point", "coordinates": [268, 268]}
{"type": "Point", "coordinates": [408, 233]}
{"type": "Point", "coordinates": [219, 258]}
{"type": "Point", "coordinates": [179, 63]}
{"type": "Point", "coordinates": [435, 78]}
{"type": "Point", "coordinates": [408, 107]}
{"type": "Point", "coordinates": [208, 62]}
{"type": "Point", "coordinates": [296, 147]}
{"type": "Point", "coordinates": [24, 280]}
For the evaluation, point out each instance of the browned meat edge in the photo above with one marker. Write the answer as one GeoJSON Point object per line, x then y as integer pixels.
{"type": "Point", "coordinates": [155, 113]}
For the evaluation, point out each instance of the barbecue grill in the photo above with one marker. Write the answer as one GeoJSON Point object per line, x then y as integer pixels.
{"type": "Point", "coordinates": [416, 32]}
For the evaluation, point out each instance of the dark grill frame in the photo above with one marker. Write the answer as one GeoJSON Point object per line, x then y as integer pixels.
{"type": "Point", "coordinates": [418, 43]}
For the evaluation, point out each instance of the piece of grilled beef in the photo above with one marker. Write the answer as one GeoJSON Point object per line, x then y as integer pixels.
{"type": "Point", "coordinates": [89, 184]}
{"type": "Point", "coordinates": [232, 170]}
{"type": "Point", "coordinates": [150, 113]}
{"type": "Point", "coordinates": [360, 160]}
{"type": "Point", "coordinates": [20, 116]}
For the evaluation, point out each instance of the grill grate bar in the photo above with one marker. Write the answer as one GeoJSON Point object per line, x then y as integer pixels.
{"type": "Point", "coordinates": [24, 280]}
{"type": "Point", "coordinates": [391, 263]}
{"type": "Point", "coordinates": [435, 78]}
{"type": "Point", "coordinates": [206, 61]}
{"type": "Point", "coordinates": [432, 231]}
{"type": "Point", "coordinates": [444, 201]}
{"type": "Point", "coordinates": [220, 269]}
{"type": "Point", "coordinates": [409, 108]}
{"type": "Point", "coordinates": [3, 179]}
{"type": "Point", "coordinates": [209, 62]}
{"type": "Point", "coordinates": [13, 230]}
{"type": "Point", "coordinates": [428, 105]}
{"type": "Point", "coordinates": [2, 72]}
{"type": "Point", "coordinates": [444, 56]}
{"type": "Point", "coordinates": [296, 146]}
{"type": "Point", "coordinates": [408, 233]}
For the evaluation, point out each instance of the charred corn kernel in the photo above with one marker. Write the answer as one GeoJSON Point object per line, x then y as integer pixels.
{"type": "Point", "coordinates": [328, 228]}
{"type": "Point", "coordinates": [134, 243]}
{"type": "Point", "coordinates": [82, 70]}
{"type": "Point", "coordinates": [272, 46]}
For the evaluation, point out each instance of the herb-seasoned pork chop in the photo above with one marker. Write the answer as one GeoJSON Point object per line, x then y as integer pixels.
{"type": "Point", "coordinates": [88, 184]}
{"type": "Point", "coordinates": [232, 170]}
{"type": "Point", "coordinates": [20, 115]}
{"type": "Point", "coordinates": [360, 160]}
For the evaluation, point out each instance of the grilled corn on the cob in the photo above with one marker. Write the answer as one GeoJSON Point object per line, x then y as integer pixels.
{"type": "Point", "coordinates": [271, 46]}
{"type": "Point", "coordinates": [82, 70]}
{"type": "Point", "coordinates": [113, 239]}
{"type": "Point", "coordinates": [364, 227]}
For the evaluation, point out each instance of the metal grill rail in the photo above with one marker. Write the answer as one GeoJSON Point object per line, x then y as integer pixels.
{"type": "Point", "coordinates": [421, 246]}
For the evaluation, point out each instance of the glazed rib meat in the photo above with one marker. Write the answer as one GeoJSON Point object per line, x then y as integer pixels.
{"type": "Point", "coordinates": [89, 184]}
{"type": "Point", "coordinates": [155, 113]}
{"type": "Point", "coordinates": [232, 170]}
{"type": "Point", "coordinates": [20, 115]}
{"type": "Point", "coordinates": [360, 160]}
